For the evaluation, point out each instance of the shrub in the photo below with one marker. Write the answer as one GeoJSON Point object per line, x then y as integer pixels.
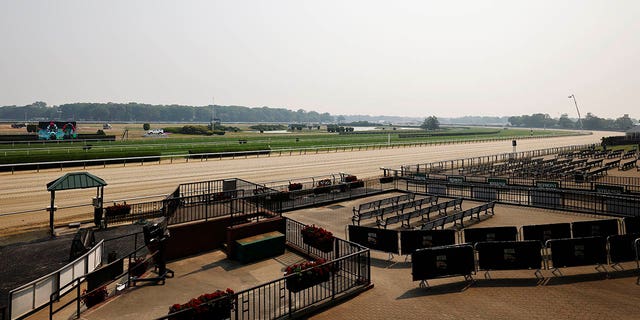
{"type": "Point", "coordinates": [138, 266]}
{"type": "Point", "coordinates": [215, 305]}
{"type": "Point", "coordinates": [146, 126]}
{"type": "Point", "coordinates": [117, 210]}
{"type": "Point", "coordinates": [295, 186]}
{"type": "Point", "coordinates": [350, 178]}
{"type": "Point", "coordinates": [94, 297]}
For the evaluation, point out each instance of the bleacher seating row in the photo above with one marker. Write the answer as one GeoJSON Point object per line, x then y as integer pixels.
{"type": "Point", "coordinates": [396, 206]}
{"type": "Point", "coordinates": [583, 162]}
{"type": "Point", "coordinates": [405, 217]}
{"type": "Point", "coordinates": [383, 202]}
{"type": "Point", "coordinates": [628, 165]}
{"type": "Point", "coordinates": [614, 154]}
{"type": "Point", "coordinates": [486, 208]}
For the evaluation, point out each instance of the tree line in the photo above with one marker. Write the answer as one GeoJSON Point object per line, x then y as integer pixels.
{"type": "Point", "coordinates": [589, 122]}
{"type": "Point", "coordinates": [123, 112]}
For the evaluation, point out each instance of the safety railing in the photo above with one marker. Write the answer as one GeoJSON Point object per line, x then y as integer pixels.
{"type": "Point", "coordinates": [138, 262]}
{"type": "Point", "coordinates": [350, 266]}
{"type": "Point", "coordinates": [551, 198]}
{"type": "Point", "coordinates": [34, 295]}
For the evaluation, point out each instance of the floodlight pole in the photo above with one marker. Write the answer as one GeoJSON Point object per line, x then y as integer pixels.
{"type": "Point", "coordinates": [573, 96]}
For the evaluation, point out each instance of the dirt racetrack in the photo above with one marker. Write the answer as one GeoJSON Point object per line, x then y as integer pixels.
{"type": "Point", "coordinates": [26, 191]}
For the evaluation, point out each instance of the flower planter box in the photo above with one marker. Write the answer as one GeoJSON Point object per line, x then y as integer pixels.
{"type": "Point", "coordinates": [117, 210]}
{"type": "Point", "coordinates": [295, 186]}
{"type": "Point", "coordinates": [95, 297]}
{"type": "Point", "coordinates": [350, 179]}
{"type": "Point", "coordinates": [216, 306]}
{"type": "Point", "coordinates": [321, 190]}
{"type": "Point", "coordinates": [323, 245]}
{"type": "Point", "coordinates": [318, 238]}
{"type": "Point", "coordinates": [138, 267]}
{"type": "Point", "coordinates": [306, 280]}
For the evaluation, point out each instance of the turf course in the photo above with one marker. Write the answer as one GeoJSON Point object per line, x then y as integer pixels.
{"type": "Point", "coordinates": [177, 144]}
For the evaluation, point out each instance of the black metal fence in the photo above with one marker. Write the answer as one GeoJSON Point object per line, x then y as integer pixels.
{"type": "Point", "coordinates": [216, 186]}
{"type": "Point", "coordinates": [139, 211]}
{"type": "Point", "coordinates": [448, 165]}
{"type": "Point", "coordinates": [557, 199]}
{"type": "Point", "coordinates": [312, 196]}
{"type": "Point", "coordinates": [351, 265]}
{"type": "Point", "coordinates": [205, 207]}
{"type": "Point", "coordinates": [629, 185]}
{"type": "Point", "coordinates": [251, 200]}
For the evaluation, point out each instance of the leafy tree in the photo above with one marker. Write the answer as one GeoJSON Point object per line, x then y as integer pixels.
{"type": "Point", "coordinates": [146, 127]}
{"type": "Point", "coordinates": [623, 123]}
{"type": "Point", "coordinates": [430, 123]}
{"type": "Point", "coordinates": [565, 123]}
{"type": "Point", "coordinates": [593, 122]}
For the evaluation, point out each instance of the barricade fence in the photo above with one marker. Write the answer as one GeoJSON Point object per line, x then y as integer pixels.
{"type": "Point", "coordinates": [468, 258]}
{"type": "Point", "coordinates": [34, 295]}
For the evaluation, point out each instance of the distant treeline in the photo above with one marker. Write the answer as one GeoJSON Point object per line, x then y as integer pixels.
{"type": "Point", "coordinates": [589, 122]}
{"type": "Point", "coordinates": [110, 112]}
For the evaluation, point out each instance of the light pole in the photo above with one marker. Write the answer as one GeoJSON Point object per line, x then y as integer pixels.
{"type": "Point", "coordinates": [573, 96]}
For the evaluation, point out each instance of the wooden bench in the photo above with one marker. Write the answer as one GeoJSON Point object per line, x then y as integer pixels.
{"type": "Point", "coordinates": [379, 208]}
{"type": "Point", "coordinates": [261, 246]}
{"type": "Point", "coordinates": [459, 216]}
{"type": "Point", "coordinates": [627, 165]}
{"type": "Point", "coordinates": [612, 164]}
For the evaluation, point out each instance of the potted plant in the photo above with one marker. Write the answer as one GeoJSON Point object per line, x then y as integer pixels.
{"type": "Point", "coordinates": [215, 305]}
{"type": "Point", "coordinates": [138, 266]}
{"type": "Point", "coordinates": [322, 186]}
{"type": "Point", "coordinates": [295, 186]}
{"type": "Point", "coordinates": [318, 238]}
{"type": "Point", "coordinates": [307, 274]}
{"type": "Point", "coordinates": [94, 297]}
{"type": "Point", "coordinates": [350, 178]}
{"type": "Point", "coordinates": [117, 210]}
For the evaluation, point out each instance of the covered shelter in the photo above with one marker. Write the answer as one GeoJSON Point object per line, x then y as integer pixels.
{"type": "Point", "coordinates": [75, 180]}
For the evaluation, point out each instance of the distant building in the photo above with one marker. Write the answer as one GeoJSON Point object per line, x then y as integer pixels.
{"type": "Point", "coordinates": [633, 133]}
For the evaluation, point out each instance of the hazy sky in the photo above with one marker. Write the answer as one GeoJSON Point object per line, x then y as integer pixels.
{"type": "Point", "coordinates": [408, 58]}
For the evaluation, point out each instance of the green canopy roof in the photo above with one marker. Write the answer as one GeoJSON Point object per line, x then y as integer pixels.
{"type": "Point", "coordinates": [75, 180]}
